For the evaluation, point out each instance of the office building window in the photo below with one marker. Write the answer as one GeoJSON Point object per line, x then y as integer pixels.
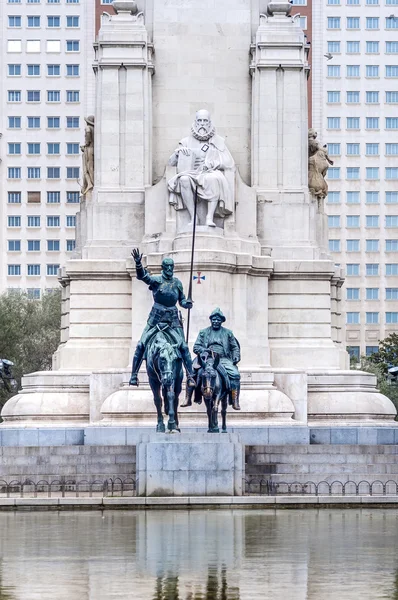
{"type": "Point", "coordinates": [53, 70]}
{"type": "Point", "coordinates": [34, 21]}
{"type": "Point", "coordinates": [333, 71]}
{"type": "Point", "coordinates": [14, 270]}
{"type": "Point", "coordinates": [14, 148]}
{"type": "Point", "coordinates": [353, 245]}
{"type": "Point", "coordinates": [14, 21]}
{"type": "Point", "coordinates": [53, 172]}
{"type": "Point", "coordinates": [372, 318]}
{"type": "Point", "coordinates": [372, 245]}
{"type": "Point", "coordinates": [391, 149]}
{"type": "Point", "coordinates": [391, 317]}
{"type": "Point", "coordinates": [53, 96]}
{"type": "Point", "coordinates": [73, 197]}
{"type": "Point", "coordinates": [33, 221]}
{"type": "Point", "coordinates": [53, 147]}
{"type": "Point", "coordinates": [372, 122]}
{"type": "Point", "coordinates": [391, 245]}
{"type": "Point", "coordinates": [391, 269]}
{"type": "Point", "coordinates": [72, 122]}
{"type": "Point", "coordinates": [53, 221]}
{"type": "Point", "coordinates": [391, 197]}
{"type": "Point", "coordinates": [33, 122]}
{"type": "Point", "coordinates": [352, 293]}
{"type": "Point", "coordinates": [372, 197]}
{"type": "Point", "coordinates": [352, 172]}
{"type": "Point", "coordinates": [391, 172]}
{"type": "Point", "coordinates": [391, 47]}
{"type": "Point", "coordinates": [353, 70]}
{"type": "Point", "coordinates": [352, 318]}
{"type": "Point", "coordinates": [14, 70]}
{"type": "Point", "coordinates": [72, 21]}
{"type": "Point", "coordinates": [333, 197]}
{"type": "Point", "coordinates": [14, 96]}
{"type": "Point", "coordinates": [53, 46]}
{"type": "Point", "coordinates": [72, 148]}
{"type": "Point", "coordinates": [334, 47]}
{"type": "Point", "coordinates": [14, 122]}
{"type": "Point", "coordinates": [53, 197]}
{"type": "Point", "coordinates": [352, 48]}
{"type": "Point", "coordinates": [372, 149]}
{"type": "Point", "coordinates": [334, 149]}
{"type": "Point", "coordinates": [33, 270]}
{"type": "Point", "coordinates": [372, 269]}
{"type": "Point", "coordinates": [372, 173]}
{"type": "Point", "coordinates": [72, 45]}
{"type": "Point", "coordinates": [372, 97]}
{"type": "Point", "coordinates": [14, 221]}
{"type": "Point", "coordinates": [391, 293]}
{"type": "Point", "coordinates": [353, 149]}
{"type": "Point", "coordinates": [334, 221]}
{"type": "Point", "coordinates": [14, 46]}
{"type": "Point", "coordinates": [353, 269]}
{"type": "Point", "coordinates": [372, 293]}
{"type": "Point", "coordinates": [72, 1]}
{"type": "Point", "coordinates": [391, 71]}
{"type": "Point", "coordinates": [71, 221]}
{"type": "Point", "coordinates": [333, 22]}
{"type": "Point", "coordinates": [53, 122]}
{"type": "Point", "coordinates": [33, 172]}
{"type": "Point", "coordinates": [371, 350]}
{"type": "Point", "coordinates": [34, 197]}
{"type": "Point", "coordinates": [333, 173]}
{"type": "Point", "coordinates": [33, 96]}
{"type": "Point", "coordinates": [333, 97]}
{"type": "Point", "coordinates": [33, 293]}
{"type": "Point", "coordinates": [54, 21]}
{"type": "Point", "coordinates": [391, 123]}
{"type": "Point", "coordinates": [372, 220]}
{"type": "Point", "coordinates": [391, 221]}
{"type": "Point", "coordinates": [352, 220]}
{"type": "Point", "coordinates": [72, 70]}
{"type": "Point", "coordinates": [33, 148]}
{"type": "Point", "coordinates": [353, 122]}
{"type": "Point", "coordinates": [32, 46]}
{"type": "Point", "coordinates": [334, 245]}
{"type": "Point", "coordinates": [353, 351]}
{"type": "Point", "coordinates": [14, 197]}
{"type": "Point", "coordinates": [14, 245]}
{"type": "Point", "coordinates": [33, 245]}
{"type": "Point", "coordinates": [372, 70]}
{"type": "Point", "coordinates": [392, 22]}
{"type": "Point", "coordinates": [53, 245]}
{"type": "Point", "coordinates": [352, 97]}
{"type": "Point", "coordinates": [70, 245]}
{"type": "Point", "coordinates": [14, 172]}
{"type": "Point", "coordinates": [372, 47]}
{"type": "Point", "coordinates": [72, 172]}
{"type": "Point", "coordinates": [372, 22]}
{"type": "Point", "coordinates": [352, 22]}
{"type": "Point", "coordinates": [392, 97]}
{"type": "Point", "coordinates": [72, 96]}
{"type": "Point", "coordinates": [52, 269]}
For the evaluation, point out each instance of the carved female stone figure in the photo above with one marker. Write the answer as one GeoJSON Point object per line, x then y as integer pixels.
{"type": "Point", "coordinates": [318, 164]}
{"type": "Point", "coordinates": [88, 156]}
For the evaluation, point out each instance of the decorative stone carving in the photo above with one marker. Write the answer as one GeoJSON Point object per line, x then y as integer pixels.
{"type": "Point", "coordinates": [125, 6]}
{"type": "Point", "coordinates": [318, 164]}
{"type": "Point", "coordinates": [88, 156]}
{"type": "Point", "coordinates": [205, 164]}
{"type": "Point", "coordinates": [276, 7]}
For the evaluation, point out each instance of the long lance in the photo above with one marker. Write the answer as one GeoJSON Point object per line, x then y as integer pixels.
{"type": "Point", "coordinates": [192, 255]}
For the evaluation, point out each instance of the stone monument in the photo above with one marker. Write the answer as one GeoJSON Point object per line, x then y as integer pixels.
{"type": "Point", "coordinates": [260, 237]}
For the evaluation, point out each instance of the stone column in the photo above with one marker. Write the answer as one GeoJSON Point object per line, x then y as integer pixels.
{"type": "Point", "coordinates": [286, 213]}
{"type": "Point", "coordinates": [123, 155]}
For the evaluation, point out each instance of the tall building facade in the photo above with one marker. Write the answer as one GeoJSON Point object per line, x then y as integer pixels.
{"type": "Point", "coordinates": [47, 90]}
{"type": "Point", "coordinates": [355, 100]}
{"type": "Point", "coordinates": [304, 9]}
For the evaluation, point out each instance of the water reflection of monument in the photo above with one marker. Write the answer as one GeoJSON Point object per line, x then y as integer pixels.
{"type": "Point", "coordinates": [214, 588]}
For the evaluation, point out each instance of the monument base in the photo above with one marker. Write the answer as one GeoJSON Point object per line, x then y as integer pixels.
{"type": "Point", "coordinates": [190, 464]}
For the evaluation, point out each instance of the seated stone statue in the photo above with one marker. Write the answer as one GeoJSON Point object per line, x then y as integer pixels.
{"type": "Point", "coordinates": [202, 160]}
{"type": "Point", "coordinates": [221, 341]}
{"type": "Point", "coordinates": [318, 164]}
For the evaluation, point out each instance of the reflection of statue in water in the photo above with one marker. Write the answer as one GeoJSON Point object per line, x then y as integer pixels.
{"type": "Point", "coordinates": [88, 156]}
{"type": "Point", "coordinates": [318, 164]}
{"type": "Point", "coordinates": [168, 587]}
{"type": "Point", "coordinates": [202, 159]}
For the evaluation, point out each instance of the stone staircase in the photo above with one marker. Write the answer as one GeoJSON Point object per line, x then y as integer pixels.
{"type": "Point", "coordinates": [69, 463]}
{"type": "Point", "coordinates": [316, 463]}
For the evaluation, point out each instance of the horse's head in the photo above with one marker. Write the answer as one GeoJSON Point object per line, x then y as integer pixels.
{"type": "Point", "coordinates": [167, 357]}
{"type": "Point", "coordinates": [209, 363]}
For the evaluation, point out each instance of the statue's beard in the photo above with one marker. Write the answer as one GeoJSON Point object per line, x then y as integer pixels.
{"type": "Point", "coordinates": [202, 133]}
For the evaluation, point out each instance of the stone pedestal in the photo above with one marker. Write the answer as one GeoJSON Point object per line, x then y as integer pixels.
{"type": "Point", "coordinates": [191, 464]}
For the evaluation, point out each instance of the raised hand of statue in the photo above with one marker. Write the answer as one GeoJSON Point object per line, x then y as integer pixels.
{"type": "Point", "coordinates": [184, 150]}
{"type": "Point", "coordinates": [137, 256]}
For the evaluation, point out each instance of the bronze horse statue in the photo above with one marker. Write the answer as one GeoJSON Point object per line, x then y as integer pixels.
{"type": "Point", "coordinates": [164, 368]}
{"type": "Point", "coordinates": [214, 391]}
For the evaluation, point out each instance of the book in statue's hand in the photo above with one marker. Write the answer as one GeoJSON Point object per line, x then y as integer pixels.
{"type": "Point", "coordinates": [186, 163]}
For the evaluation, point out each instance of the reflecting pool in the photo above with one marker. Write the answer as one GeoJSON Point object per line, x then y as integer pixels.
{"type": "Point", "coordinates": [199, 555]}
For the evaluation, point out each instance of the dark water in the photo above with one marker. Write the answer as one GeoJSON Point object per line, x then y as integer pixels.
{"type": "Point", "coordinates": [199, 555]}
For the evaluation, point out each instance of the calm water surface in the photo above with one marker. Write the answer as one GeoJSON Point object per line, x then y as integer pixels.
{"type": "Point", "coordinates": [199, 555]}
